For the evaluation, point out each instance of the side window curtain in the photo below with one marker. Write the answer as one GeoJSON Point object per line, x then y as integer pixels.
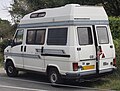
{"type": "Point", "coordinates": [30, 37]}
{"type": "Point", "coordinates": [36, 36]}
{"type": "Point", "coordinates": [57, 36]}
{"type": "Point", "coordinates": [40, 37]}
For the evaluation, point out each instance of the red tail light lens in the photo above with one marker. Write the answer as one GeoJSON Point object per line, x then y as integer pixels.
{"type": "Point", "coordinates": [75, 66]}
{"type": "Point", "coordinates": [114, 62]}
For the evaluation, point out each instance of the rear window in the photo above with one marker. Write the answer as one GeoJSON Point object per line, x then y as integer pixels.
{"type": "Point", "coordinates": [57, 36]}
{"type": "Point", "coordinates": [102, 35]}
{"type": "Point", "coordinates": [85, 36]}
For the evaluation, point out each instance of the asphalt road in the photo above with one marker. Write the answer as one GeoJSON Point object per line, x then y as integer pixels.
{"type": "Point", "coordinates": [36, 82]}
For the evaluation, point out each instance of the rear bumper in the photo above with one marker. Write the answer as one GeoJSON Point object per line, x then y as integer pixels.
{"type": "Point", "coordinates": [89, 74]}
{"type": "Point", "coordinates": [107, 70]}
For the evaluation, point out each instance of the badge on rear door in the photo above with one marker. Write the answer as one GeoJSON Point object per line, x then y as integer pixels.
{"type": "Point", "coordinates": [105, 63]}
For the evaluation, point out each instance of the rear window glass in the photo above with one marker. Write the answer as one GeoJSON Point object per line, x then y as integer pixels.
{"type": "Point", "coordinates": [85, 36]}
{"type": "Point", "coordinates": [57, 36]}
{"type": "Point", "coordinates": [102, 35]}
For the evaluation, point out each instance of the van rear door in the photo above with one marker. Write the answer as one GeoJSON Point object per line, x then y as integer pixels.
{"type": "Point", "coordinates": [105, 48]}
{"type": "Point", "coordinates": [86, 50]}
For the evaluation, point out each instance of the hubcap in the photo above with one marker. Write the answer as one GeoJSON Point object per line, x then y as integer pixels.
{"type": "Point", "coordinates": [10, 69]}
{"type": "Point", "coordinates": [53, 78]}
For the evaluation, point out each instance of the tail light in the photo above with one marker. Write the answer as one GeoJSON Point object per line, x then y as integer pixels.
{"type": "Point", "coordinates": [101, 52]}
{"type": "Point", "coordinates": [114, 62]}
{"type": "Point", "coordinates": [75, 66]}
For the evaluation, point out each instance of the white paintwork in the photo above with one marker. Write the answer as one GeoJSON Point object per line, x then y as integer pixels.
{"type": "Point", "coordinates": [64, 64]}
{"type": "Point", "coordinates": [67, 12]}
{"type": "Point", "coordinates": [108, 52]}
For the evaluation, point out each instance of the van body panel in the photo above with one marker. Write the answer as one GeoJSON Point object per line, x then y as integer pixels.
{"type": "Point", "coordinates": [17, 56]}
{"type": "Point", "coordinates": [105, 44]}
{"type": "Point", "coordinates": [74, 39]}
{"type": "Point", "coordinates": [34, 60]}
{"type": "Point", "coordinates": [32, 50]}
{"type": "Point", "coordinates": [15, 52]}
{"type": "Point", "coordinates": [86, 50]}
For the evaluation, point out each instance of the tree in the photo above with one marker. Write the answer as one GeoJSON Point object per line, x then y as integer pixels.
{"type": "Point", "coordinates": [18, 9]}
{"type": "Point", "coordinates": [112, 7]}
{"type": "Point", "coordinates": [5, 28]}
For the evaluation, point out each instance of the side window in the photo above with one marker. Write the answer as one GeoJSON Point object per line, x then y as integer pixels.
{"type": "Point", "coordinates": [40, 37]}
{"type": "Point", "coordinates": [18, 37]}
{"type": "Point", "coordinates": [57, 36]}
{"type": "Point", "coordinates": [36, 36]}
{"type": "Point", "coordinates": [84, 36]}
{"type": "Point", "coordinates": [30, 37]}
{"type": "Point", "coordinates": [102, 35]}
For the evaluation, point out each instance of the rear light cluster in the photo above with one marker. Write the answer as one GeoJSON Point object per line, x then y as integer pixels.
{"type": "Point", "coordinates": [114, 62]}
{"type": "Point", "coordinates": [75, 66]}
{"type": "Point", "coordinates": [101, 52]}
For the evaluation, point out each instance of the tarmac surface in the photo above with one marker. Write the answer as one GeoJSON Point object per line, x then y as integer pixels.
{"type": "Point", "coordinates": [37, 82]}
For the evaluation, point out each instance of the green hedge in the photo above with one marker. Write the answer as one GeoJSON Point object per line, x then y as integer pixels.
{"type": "Point", "coordinates": [1, 59]}
{"type": "Point", "coordinates": [3, 45]}
{"type": "Point", "coordinates": [115, 29]}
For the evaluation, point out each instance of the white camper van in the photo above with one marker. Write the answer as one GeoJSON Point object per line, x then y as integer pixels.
{"type": "Point", "coordinates": [72, 41]}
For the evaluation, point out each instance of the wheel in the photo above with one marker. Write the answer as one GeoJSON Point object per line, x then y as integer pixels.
{"type": "Point", "coordinates": [11, 70]}
{"type": "Point", "coordinates": [54, 76]}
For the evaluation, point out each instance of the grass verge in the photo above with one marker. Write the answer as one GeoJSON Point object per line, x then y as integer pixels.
{"type": "Point", "coordinates": [1, 59]}
{"type": "Point", "coordinates": [111, 81]}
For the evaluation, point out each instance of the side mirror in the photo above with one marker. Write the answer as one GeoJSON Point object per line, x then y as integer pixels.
{"type": "Point", "coordinates": [11, 42]}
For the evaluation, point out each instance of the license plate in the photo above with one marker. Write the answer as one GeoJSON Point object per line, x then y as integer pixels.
{"type": "Point", "coordinates": [88, 67]}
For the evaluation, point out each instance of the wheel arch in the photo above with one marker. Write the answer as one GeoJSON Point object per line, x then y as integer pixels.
{"type": "Point", "coordinates": [52, 66]}
{"type": "Point", "coordinates": [9, 60]}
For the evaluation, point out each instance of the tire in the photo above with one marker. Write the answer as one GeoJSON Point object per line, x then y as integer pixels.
{"type": "Point", "coordinates": [54, 76]}
{"type": "Point", "coordinates": [11, 70]}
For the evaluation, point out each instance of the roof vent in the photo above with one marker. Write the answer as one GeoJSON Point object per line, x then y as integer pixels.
{"type": "Point", "coordinates": [36, 15]}
{"type": "Point", "coordinates": [75, 5]}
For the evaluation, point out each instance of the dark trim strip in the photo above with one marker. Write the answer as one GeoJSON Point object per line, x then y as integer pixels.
{"type": "Point", "coordinates": [23, 55]}
{"type": "Point", "coordinates": [65, 23]}
{"type": "Point", "coordinates": [56, 55]}
{"type": "Point", "coordinates": [96, 45]}
{"type": "Point", "coordinates": [88, 59]}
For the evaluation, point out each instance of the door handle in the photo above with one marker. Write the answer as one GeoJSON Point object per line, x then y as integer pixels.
{"type": "Point", "coordinates": [111, 46]}
{"type": "Point", "coordinates": [24, 48]}
{"type": "Point", "coordinates": [21, 48]}
{"type": "Point", "coordinates": [42, 49]}
{"type": "Point", "coordinates": [78, 49]}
